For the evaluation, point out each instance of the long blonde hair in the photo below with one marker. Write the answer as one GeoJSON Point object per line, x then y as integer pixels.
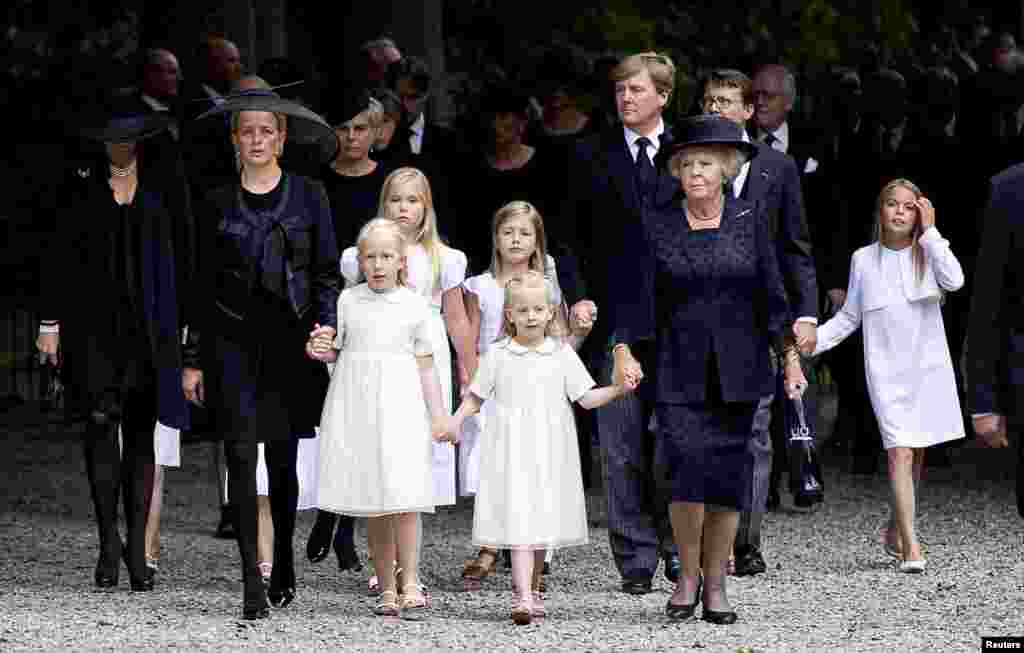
{"type": "Point", "coordinates": [427, 234]}
{"type": "Point", "coordinates": [529, 279]}
{"type": "Point", "coordinates": [390, 226]}
{"type": "Point", "coordinates": [520, 209]}
{"type": "Point", "coordinates": [916, 252]}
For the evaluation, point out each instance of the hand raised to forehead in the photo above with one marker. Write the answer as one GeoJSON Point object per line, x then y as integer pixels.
{"type": "Point", "coordinates": [927, 211]}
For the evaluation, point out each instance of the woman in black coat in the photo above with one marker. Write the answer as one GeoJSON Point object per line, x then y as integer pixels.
{"type": "Point", "coordinates": [268, 273]}
{"type": "Point", "coordinates": [110, 300]}
{"type": "Point", "coordinates": [719, 308]}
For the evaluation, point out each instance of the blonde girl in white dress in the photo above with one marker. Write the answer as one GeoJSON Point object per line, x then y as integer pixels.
{"type": "Point", "coordinates": [895, 292]}
{"type": "Point", "coordinates": [376, 450]}
{"type": "Point", "coordinates": [435, 272]}
{"type": "Point", "coordinates": [519, 245]}
{"type": "Point", "coordinates": [530, 496]}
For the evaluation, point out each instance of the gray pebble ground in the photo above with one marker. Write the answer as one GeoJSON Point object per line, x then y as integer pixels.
{"type": "Point", "coordinates": [829, 587]}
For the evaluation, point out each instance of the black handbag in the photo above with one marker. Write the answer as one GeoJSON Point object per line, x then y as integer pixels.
{"type": "Point", "coordinates": [805, 478]}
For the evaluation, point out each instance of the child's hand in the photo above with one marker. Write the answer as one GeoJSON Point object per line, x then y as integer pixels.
{"type": "Point", "coordinates": [627, 374]}
{"type": "Point", "coordinates": [582, 317]}
{"type": "Point", "coordinates": [443, 430]}
{"type": "Point", "coordinates": [321, 344]}
{"type": "Point", "coordinates": [927, 211]}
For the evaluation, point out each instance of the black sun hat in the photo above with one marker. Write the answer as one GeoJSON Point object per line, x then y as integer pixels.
{"type": "Point", "coordinates": [118, 119]}
{"type": "Point", "coordinates": [305, 127]}
{"type": "Point", "coordinates": [711, 130]}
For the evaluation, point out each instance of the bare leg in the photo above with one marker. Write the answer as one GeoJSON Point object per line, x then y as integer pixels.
{"type": "Point", "coordinates": [153, 517]}
{"type": "Point", "coordinates": [265, 537]}
{"type": "Point", "coordinates": [719, 534]}
{"type": "Point", "coordinates": [687, 527]}
{"type": "Point", "coordinates": [380, 532]}
{"type": "Point", "coordinates": [408, 535]}
{"type": "Point", "coordinates": [901, 460]}
{"type": "Point", "coordinates": [522, 573]}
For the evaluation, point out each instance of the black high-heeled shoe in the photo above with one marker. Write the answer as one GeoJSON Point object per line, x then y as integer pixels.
{"type": "Point", "coordinates": [254, 604]}
{"type": "Point", "coordinates": [678, 612]}
{"type": "Point", "coordinates": [319, 544]}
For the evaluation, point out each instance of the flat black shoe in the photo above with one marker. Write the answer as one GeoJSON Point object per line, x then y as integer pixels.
{"type": "Point", "coordinates": [750, 562]}
{"type": "Point", "coordinates": [319, 543]}
{"type": "Point", "coordinates": [672, 568]}
{"type": "Point", "coordinates": [254, 612]}
{"type": "Point", "coordinates": [144, 584]}
{"type": "Point", "coordinates": [105, 576]}
{"type": "Point", "coordinates": [348, 559]}
{"type": "Point", "coordinates": [227, 529]}
{"type": "Point", "coordinates": [281, 598]}
{"type": "Point", "coordinates": [636, 587]}
{"type": "Point", "coordinates": [723, 618]}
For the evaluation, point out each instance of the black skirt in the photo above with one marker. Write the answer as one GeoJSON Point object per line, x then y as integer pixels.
{"type": "Point", "coordinates": [702, 450]}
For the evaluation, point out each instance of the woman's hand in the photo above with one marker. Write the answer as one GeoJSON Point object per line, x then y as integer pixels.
{"type": "Point", "coordinates": [927, 211]}
{"type": "Point", "coordinates": [793, 374]}
{"type": "Point", "coordinates": [192, 384]}
{"type": "Point", "coordinates": [48, 343]}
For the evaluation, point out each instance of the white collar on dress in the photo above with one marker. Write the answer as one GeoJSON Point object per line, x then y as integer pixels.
{"type": "Point", "coordinates": [548, 347]}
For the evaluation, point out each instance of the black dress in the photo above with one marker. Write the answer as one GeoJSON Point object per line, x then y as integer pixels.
{"type": "Point", "coordinates": [354, 201]}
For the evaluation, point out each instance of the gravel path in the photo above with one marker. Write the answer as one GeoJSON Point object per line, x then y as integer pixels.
{"type": "Point", "coordinates": [829, 586]}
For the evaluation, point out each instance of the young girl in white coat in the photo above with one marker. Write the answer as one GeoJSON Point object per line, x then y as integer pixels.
{"type": "Point", "coordinates": [895, 291]}
{"type": "Point", "coordinates": [376, 450]}
{"type": "Point", "coordinates": [519, 244]}
{"type": "Point", "coordinates": [530, 494]}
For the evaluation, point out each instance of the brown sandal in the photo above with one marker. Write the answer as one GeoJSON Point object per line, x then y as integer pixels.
{"type": "Point", "coordinates": [521, 612]}
{"type": "Point", "coordinates": [387, 604]}
{"type": "Point", "coordinates": [476, 570]}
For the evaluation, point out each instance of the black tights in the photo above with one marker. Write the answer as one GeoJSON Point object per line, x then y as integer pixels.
{"type": "Point", "coordinates": [111, 471]}
{"type": "Point", "coordinates": [284, 495]}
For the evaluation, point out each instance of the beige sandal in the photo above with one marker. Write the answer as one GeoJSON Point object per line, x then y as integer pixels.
{"type": "Point", "coordinates": [415, 602]}
{"type": "Point", "coordinates": [387, 604]}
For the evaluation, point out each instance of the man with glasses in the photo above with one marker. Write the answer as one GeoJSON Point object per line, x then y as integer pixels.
{"type": "Point", "coordinates": [770, 179]}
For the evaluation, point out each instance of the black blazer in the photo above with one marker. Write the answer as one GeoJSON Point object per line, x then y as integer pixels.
{"type": "Point", "coordinates": [721, 299]}
{"type": "Point", "coordinates": [607, 211]}
{"type": "Point", "coordinates": [995, 336]}
{"type": "Point", "coordinates": [773, 184]}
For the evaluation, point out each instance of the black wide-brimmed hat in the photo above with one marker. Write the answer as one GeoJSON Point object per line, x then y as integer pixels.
{"type": "Point", "coordinates": [346, 105]}
{"type": "Point", "coordinates": [304, 127]}
{"type": "Point", "coordinates": [119, 120]}
{"type": "Point", "coordinates": [711, 130]}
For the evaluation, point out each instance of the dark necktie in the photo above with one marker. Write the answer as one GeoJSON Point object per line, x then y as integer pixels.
{"type": "Point", "coordinates": [644, 167]}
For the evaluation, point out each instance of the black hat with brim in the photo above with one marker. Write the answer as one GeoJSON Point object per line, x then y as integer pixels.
{"type": "Point", "coordinates": [711, 130]}
{"type": "Point", "coordinates": [346, 106]}
{"type": "Point", "coordinates": [127, 127]}
{"type": "Point", "coordinates": [305, 127]}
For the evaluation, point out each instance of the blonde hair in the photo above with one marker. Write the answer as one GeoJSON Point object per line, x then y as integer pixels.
{"type": "Point", "coordinates": [520, 209]}
{"type": "Point", "coordinates": [427, 235]}
{"type": "Point", "coordinates": [659, 66]}
{"type": "Point", "coordinates": [392, 228]}
{"type": "Point", "coordinates": [248, 83]}
{"type": "Point", "coordinates": [916, 252]}
{"type": "Point", "coordinates": [529, 279]}
{"type": "Point", "coordinates": [730, 158]}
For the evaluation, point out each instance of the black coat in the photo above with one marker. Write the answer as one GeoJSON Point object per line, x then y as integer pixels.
{"type": "Point", "coordinates": [249, 340]}
{"type": "Point", "coordinates": [718, 294]}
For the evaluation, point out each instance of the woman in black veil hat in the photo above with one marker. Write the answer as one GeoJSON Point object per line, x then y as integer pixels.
{"type": "Point", "coordinates": [268, 274]}
{"type": "Point", "coordinates": [110, 296]}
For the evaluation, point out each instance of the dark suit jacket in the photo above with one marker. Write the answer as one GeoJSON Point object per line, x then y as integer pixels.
{"type": "Point", "coordinates": [773, 183]}
{"type": "Point", "coordinates": [722, 299]}
{"type": "Point", "coordinates": [607, 211]}
{"type": "Point", "coordinates": [995, 336]}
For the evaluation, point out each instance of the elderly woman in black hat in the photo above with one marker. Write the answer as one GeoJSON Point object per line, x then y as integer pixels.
{"type": "Point", "coordinates": [268, 274]}
{"type": "Point", "coordinates": [719, 308]}
{"type": "Point", "coordinates": [110, 297]}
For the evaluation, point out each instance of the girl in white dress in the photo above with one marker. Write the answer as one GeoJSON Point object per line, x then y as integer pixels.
{"type": "Point", "coordinates": [376, 450]}
{"type": "Point", "coordinates": [519, 245]}
{"type": "Point", "coordinates": [435, 272]}
{"type": "Point", "coordinates": [530, 496]}
{"type": "Point", "coordinates": [895, 290]}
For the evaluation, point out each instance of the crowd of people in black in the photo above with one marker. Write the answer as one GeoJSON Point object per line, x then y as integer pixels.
{"type": "Point", "coordinates": [217, 214]}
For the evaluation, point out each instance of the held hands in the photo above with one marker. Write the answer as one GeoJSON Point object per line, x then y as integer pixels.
{"type": "Point", "coordinates": [582, 317]}
{"type": "Point", "coordinates": [627, 373]}
{"type": "Point", "coordinates": [991, 431]}
{"type": "Point", "coordinates": [320, 346]}
{"type": "Point", "coordinates": [192, 384]}
{"type": "Point", "coordinates": [48, 343]}
{"type": "Point", "coordinates": [794, 381]}
{"type": "Point", "coordinates": [444, 429]}
{"type": "Point", "coordinates": [927, 211]}
{"type": "Point", "coordinates": [806, 336]}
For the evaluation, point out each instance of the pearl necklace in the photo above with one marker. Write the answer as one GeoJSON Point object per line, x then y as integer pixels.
{"type": "Point", "coordinates": [124, 172]}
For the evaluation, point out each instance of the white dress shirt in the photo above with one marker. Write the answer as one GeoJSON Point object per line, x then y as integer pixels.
{"type": "Point", "coordinates": [655, 137]}
{"type": "Point", "coordinates": [780, 135]}
{"type": "Point", "coordinates": [416, 137]}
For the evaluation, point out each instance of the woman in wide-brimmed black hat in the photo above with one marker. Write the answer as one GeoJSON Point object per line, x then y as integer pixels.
{"type": "Point", "coordinates": [268, 273]}
{"type": "Point", "coordinates": [110, 298]}
{"type": "Point", "coordinates": [719, 309]}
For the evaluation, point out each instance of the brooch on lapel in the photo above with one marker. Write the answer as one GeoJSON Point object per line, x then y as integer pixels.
{"type": "Point", "coordinates": [84, 173]}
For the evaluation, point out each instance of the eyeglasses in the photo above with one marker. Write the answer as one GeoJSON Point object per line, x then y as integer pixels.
{"type": "Point", "coordinates": [720, 101]}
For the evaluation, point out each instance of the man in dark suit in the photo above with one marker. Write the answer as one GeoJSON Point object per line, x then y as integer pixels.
{"type": "Point", "coordinates": [995, 336]}
{"type": "Point", "coordinates": [770, 180]}
{"type": "Point", "coordinates": [617, 174]}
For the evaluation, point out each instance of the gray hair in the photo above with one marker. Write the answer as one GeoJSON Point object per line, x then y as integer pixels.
{"type": "Point", "coordinates": [730, 158]}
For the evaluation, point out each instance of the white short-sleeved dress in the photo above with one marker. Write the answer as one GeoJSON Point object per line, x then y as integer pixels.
{"type": "Point", "coordinates": [530, 494]}
{"type": "Point", "coordinates": [420, 278]}
{"type": "Point", "coordinates": [906, 357]}
{"type": "Point", "coordinates": [491, 299]}
{"type": "Point", "coordinates": [376, 448]}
